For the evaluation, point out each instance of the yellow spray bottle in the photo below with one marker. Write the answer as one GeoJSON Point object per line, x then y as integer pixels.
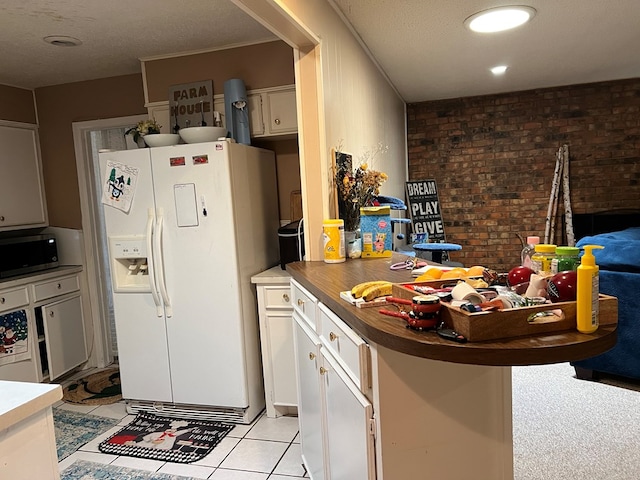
{"type": "Point", "coordinates": [588, 290]}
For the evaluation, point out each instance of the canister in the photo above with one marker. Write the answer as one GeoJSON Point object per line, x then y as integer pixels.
{"type": "Point", "coordinates": [333, 237]}
{"type": "Point", "coordinates": [567, 258]}
{"type": "Point", "coordinates": [542, 258]}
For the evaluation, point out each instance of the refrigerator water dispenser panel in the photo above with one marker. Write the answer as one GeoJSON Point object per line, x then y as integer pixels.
{"type": "Point", "coordinates": [129, 265]}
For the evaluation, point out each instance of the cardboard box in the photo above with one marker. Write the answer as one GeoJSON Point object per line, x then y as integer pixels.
{"type": "Point", "coordinates": [510, 322]}
{"type": "Point", "coordinates": [375, 230]}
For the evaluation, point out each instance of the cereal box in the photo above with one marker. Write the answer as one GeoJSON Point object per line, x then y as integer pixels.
{"type": "Point", "coordinates": [375, 230]}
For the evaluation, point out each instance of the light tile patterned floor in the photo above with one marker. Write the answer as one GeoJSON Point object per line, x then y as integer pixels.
{"type": "Point", "coordinates": [268, 449]}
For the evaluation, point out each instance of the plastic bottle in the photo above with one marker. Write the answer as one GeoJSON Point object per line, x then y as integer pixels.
{"type": "Point", "coordinates": [542, 258]}
{"type": "Point", "coordinates": [587, 292]}
{"type": "Point", "coordinates": [333, 236]}
{"type": "Point", "coordinates": [528, 251]}
{"type": "Point", "coordinates": [567, 258]}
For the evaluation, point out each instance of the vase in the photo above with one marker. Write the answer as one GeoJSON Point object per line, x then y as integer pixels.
{"type": "Point", "coordinates": [353, 244]}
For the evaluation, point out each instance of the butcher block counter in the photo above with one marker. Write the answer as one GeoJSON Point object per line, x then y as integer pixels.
{"type": "Point", "coordinates": [326, 281]}
{"type": "Point", "coordinates": [377, 400]}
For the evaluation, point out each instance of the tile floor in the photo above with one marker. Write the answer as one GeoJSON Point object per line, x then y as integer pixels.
{"type": "Point", "coordinates": [268, 449]}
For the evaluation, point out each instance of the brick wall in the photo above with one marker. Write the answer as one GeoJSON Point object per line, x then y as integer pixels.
{"type": "Point", "coordinates": [493, 158]}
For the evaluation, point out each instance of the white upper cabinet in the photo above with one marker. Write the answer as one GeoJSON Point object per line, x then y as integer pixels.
{"type": "Point", "coordinates": [22, 199]}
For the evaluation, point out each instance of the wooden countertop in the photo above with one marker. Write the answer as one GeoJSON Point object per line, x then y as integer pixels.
{"type": "Point", "coordinates": [326, 280]}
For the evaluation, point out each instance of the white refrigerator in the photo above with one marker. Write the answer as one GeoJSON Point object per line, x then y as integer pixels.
{"type": "Point", "coordinates": [187, 226]}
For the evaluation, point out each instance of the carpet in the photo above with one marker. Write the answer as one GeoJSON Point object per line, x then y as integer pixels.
{"type": "Point", "coordinates": [74, 429]}
{"type": "Point", "coordinates": [166, 439]}
{"type": "Point", "coordinates": [83, 470]}
{"type": "Point", "coordinates": [100, 388]}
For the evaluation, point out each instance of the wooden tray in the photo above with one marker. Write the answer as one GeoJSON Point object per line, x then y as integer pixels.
{"type": "Point", "coordinates": [511, 322]}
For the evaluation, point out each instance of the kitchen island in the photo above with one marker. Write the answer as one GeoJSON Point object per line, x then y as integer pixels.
{"type": "Point", "coordinates": [27, 439]}
{"type": "Point", "coordinates": [435, 409]}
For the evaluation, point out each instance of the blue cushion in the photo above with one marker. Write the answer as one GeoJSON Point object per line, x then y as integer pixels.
{"type": "Point", "coordinates": [621, 249]}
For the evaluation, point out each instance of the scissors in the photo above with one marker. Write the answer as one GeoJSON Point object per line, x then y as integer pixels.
{"type": "Point", "coordinates": [408, 264]}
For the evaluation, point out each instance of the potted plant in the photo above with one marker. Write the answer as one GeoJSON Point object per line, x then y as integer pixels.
{"type": "Point", "coordinates": [142, 128]}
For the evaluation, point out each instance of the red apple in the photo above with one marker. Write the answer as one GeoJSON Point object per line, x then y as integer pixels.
{"type": "Point", "coordinates": [518, 275]}
{"type": "Point", "coordinates": [562, 286]}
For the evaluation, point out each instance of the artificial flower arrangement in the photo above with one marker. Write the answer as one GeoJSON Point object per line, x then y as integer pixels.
{"type": "Point", "coordinates": [357, 187]}
{"type": "Point", "coordinates": [144, 127]}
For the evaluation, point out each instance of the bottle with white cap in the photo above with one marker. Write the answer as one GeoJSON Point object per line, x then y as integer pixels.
{"type": "Point", "coordinates": [528, 251]}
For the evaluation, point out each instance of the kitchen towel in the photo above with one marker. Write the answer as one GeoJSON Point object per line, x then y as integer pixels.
{"type": "Point", "coordinates": [167, 439]}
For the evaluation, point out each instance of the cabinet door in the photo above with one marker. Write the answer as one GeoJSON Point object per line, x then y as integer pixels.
{"type": "Point", "coordinates": [22, 201]}
{"type": "Point", "coordinates": [310, 408]}
{"type": "Point", "coordinates": [282, 112]}
{"type": "Point", "coordinates": [64, 335]}
{"type": "Point", "coordinates": [256, 121]}
{"type": "Point", "coordinates": [349, 425]}
{"type": "Point", "coordinates": [280, 333]}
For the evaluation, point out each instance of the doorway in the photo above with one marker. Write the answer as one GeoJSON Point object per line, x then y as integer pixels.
{"type": "Point", "coordinates": [89, 138]}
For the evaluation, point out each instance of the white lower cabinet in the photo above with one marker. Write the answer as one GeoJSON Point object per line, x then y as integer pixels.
{"type": "Point", "coordinates": [337, 429]}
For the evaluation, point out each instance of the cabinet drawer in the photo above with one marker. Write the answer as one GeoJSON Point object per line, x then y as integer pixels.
{"type": "Point", "coordinates": [12, 299]}
{"type": "Point", "coordinates": [351, 352]}
{"type": "Point", "coordinates": [277, 297]}
{"type": "Point", "coordinates": [53, 288]}
{"type": "Point", "coordinates": [304, 303]}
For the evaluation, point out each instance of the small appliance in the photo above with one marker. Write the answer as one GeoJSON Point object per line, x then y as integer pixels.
{"type": "Point", "coordinates": [21, 255]}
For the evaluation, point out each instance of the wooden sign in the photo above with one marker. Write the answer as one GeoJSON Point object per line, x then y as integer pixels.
{"type": "Point", "coordinates": [191, 105]}
{"type": "Point", "coordinates": [424, 209]}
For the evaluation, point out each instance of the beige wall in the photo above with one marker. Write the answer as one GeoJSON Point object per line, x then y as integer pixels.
{"type": "Point", "coordinates": [259, 66]}
{"type": "Point", "coordinates": [58, 107]}
{"type": "Point", "coordinates": [357, 105]}
{"type": "Point", "coordinates": [16, 105]}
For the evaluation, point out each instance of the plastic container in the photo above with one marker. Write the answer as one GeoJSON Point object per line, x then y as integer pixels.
{"type": "Point", "coordinates": [567, 259]}
{"type": "Point", "coordinates": [588, 292]}
{"type": "Point", "coordinates": [333, 237]}
{"type": "Point", "coordinates": [542, 258]}
{"type": "Point", "coordinates": [528, 251]}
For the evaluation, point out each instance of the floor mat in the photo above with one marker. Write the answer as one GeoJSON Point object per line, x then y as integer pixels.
{"type": "Point", "coordinates": [100, 388]}
{"type": "Point", "coordinates": [83, 470]}
{"type": "Point", "coordinates": [166, 439]}
{"type": "Point", "coordinates": [74, 429]}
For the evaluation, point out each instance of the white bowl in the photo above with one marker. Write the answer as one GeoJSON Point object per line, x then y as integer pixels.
{"type": "Point", "coordinates": [202, 134]}
{"type": "Point", "coordinates": [161, 139]}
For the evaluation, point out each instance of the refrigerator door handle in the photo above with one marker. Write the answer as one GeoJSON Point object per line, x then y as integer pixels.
{"type": "Point", "coordinates": [150, 264]}
{"type": "Point", "coordinates": [160, 263]}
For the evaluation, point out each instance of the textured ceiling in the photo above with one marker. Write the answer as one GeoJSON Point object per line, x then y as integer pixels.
{"type": "Point", "coordinates": [114, 35]}
{"type": "Point", "coordinates": [426, 51]}
{"type": "Point", "coordinates": [421, 45]}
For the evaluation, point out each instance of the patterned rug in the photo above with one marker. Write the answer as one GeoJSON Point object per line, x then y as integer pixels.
{"type": "Point", "coordinates": [83, 470]}
{"type": "Point", "coordinates": [75, 429]}
{"type": "Point", "coordinates": [166, 439]}
{"type": "Point", "coordinates": [100, 388]}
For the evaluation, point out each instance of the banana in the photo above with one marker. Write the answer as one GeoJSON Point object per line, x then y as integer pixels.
{"type": "Point", "coordinates": [357, 290]}
{"type": "Point", "coordinates": [375, 291]}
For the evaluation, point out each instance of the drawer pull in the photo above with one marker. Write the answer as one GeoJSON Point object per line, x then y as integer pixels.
{"type": "Point", "coordinates": [300, 302]}
{"type": "Point", "coordinates": [332, 336]}
{"type": "Point", "coordinates": [1, 218]}
{"type": "Point", "coordinates": [2, 300]}
{"type": "Point", "coordinates": [323, 370]}
{"type": "Point", "coordinates": [285, 297]}
{"type": "Point", "coordinates": [51, 314]}
{"type": "Point", "coordinates": [312, 355]}
{"type": "Point", "coordinates": [59, 286]}
{"type": "Point", "coordinates": [277, 121]}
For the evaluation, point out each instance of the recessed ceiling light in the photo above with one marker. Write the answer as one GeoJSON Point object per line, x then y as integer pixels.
{"type": "Point", "coordinates": [62, 41]}
{"type": "Point", "coordinates": [499, 70]}
{"type": "Point", "coordinates": [500, 18]}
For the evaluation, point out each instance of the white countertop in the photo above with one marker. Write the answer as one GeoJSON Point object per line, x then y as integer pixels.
{"type": "Point", "coordinates": [19, 400]}
{"type": "Point", "coordinates": [275, 275]}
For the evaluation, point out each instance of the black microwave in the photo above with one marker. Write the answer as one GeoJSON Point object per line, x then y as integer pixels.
{"type": "Point", "coordinates": [21, 255]}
